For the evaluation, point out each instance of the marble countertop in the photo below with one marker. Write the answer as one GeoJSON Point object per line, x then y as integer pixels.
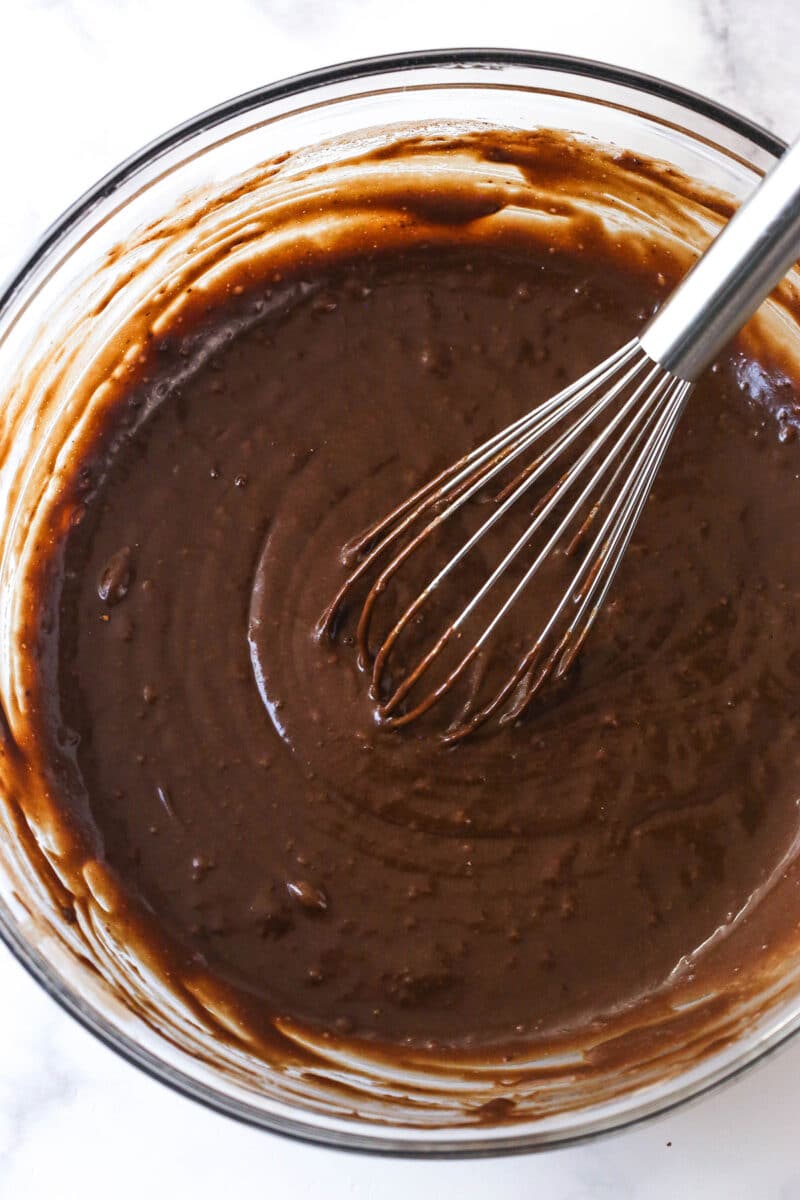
{"type": "Point", "coordinates": [82, 84]}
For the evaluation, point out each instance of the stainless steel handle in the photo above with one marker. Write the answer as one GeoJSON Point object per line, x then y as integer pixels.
{"type": "Point", "coordinates": [740, 268]}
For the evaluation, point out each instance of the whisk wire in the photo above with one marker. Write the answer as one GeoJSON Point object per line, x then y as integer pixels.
{"type": "Point", "coordinates": [596, 570]}
{"type": "Point", "coordinates": [608, 549]}
{"type": "Point", "coordinates": [648, 404]}
{"type": "Point", "coordinates": [502, 447]}
{"type": "Point", "coordinates": [524, 482]}
{"type": "Point", "coordinates": [556, 496]}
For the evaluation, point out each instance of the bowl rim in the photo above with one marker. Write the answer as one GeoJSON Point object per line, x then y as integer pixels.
{"type": "Point", "coordinates": [353, 70]}
{"type": "Point", "coordinates": [417, 1145]}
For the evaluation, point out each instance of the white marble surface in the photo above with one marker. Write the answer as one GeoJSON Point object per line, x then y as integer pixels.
{"type": "Point", "coordinates": [84, 82]}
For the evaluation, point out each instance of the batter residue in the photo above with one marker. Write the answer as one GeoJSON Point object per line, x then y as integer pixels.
{"type": "Point", "coordinates": [530, 881]}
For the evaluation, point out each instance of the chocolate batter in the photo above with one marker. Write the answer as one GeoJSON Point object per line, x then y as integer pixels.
{"type": "Point", "coordinates": [226, 762]}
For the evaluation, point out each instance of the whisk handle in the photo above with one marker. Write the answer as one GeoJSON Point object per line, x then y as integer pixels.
{"type": "Point", "coordinates": [740, 268]}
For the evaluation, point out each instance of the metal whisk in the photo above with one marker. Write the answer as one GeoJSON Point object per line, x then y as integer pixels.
{"type": "Point", "coordinates": [617, 422]}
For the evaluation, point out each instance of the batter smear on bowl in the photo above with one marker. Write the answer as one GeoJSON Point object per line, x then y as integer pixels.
{"type": "Point", "coordinates": [632, 840]}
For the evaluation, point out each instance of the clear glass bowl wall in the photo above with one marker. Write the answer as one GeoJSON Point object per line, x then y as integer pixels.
{"type": "Point", "coordinates": [47, 308]}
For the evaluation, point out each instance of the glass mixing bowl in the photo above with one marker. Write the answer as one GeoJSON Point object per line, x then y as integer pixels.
{"type": "Point", "coordinates": [59, 305]}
